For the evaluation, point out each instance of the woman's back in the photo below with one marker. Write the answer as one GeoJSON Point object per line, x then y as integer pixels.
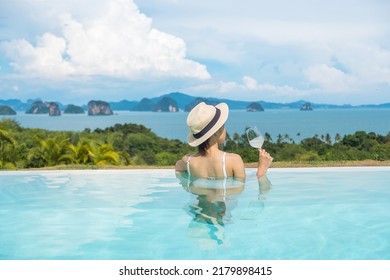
{"type": "Point", "coordinates": [217, 165]}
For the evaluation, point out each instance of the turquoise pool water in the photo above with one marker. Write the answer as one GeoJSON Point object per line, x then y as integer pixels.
{"type": "Point", "coordinates": [317, 213]}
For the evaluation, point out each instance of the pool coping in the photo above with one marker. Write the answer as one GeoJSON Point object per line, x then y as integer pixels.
{"type": "Point", "coordinates": [168, 171]}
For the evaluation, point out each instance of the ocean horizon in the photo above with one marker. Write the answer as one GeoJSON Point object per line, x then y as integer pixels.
{"type": "Point", "coordinates": [296, 124]}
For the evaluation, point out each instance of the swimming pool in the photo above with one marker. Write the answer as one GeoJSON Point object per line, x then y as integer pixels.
{"type": "Point", "coordinates": [308, 213]}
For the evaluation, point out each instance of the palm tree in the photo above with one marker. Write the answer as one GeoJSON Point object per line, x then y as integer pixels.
{"type": "Point", "coordinates": [280, 139]}
{"type": "Point", "coordinates": [236, 138]}
{"type": "Point", "coordinates": [267, 137]}
{"type": "Point", "coordinates": [7, 144]}
{"type": "Point", "coordinates": [47, 152]}
{"type": "Point", "coordinates": [328, 139]}
{"type": "Point", "coordinates": [86, 152]}
{"type": "Point", "coordinates": [287, 138]}
{"type": "Point", "coordinates": [5, 137]}
{"type": "Point", "coordinates": [81, 153]}
{"type": "Point", "coordinates": [105, 154]}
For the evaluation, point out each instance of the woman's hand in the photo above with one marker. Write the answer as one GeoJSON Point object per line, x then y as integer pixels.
{"type": "Point", "coordinates": [265, 161]}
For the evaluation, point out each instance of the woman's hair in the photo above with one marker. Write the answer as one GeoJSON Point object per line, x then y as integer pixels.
{"type": "Point", "coordinates": [202, 148]}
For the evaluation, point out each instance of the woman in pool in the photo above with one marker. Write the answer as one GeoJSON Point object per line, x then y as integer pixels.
{"type": "Point", "coordinates": [206, 174]}
{"type": "Point", "coordinates": [207, 131]}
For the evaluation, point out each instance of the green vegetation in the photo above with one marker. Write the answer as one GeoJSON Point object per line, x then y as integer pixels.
{"type": "Point", "coordinates": [135, 145]}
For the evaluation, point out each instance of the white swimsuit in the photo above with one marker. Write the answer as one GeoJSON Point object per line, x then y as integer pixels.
{"type": "Point", "coordinates": [223, 165]}
{"type": "Point", "coordinates": [207, 183]}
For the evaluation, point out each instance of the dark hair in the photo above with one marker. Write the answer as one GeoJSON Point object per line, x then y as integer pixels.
{"type": "Point", "coordinates": [202, 148]}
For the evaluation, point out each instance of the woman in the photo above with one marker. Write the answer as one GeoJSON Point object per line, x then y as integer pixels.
{"type": "Point", "coordinates": [207, 131]}
{"type": "Point", "coordinates": [216, 177]}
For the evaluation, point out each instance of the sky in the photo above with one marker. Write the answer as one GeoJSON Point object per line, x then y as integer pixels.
{"type": "Point", "coordinates": [334, 51]}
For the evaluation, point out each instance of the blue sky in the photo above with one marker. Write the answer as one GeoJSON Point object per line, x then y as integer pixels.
{"type": "Point", "coordinates": [280, 51]}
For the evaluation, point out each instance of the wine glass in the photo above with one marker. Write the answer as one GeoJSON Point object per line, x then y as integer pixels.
{"type": "Point", "coordinates": [255, 138]}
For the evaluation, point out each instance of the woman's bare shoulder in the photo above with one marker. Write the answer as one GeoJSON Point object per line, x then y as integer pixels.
{"type": "Point", "coordinates": [181, 164]}
{"type": "Point", "coordinates": [235, 162]}
{"type": "Point", "coordinates": [234, 157]}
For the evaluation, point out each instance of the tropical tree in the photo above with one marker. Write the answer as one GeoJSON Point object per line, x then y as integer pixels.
{"type": "Point", "coordinates": [328, 139]}
{"type": "Point", "coordinates": [236, 138]}
{"type": "Point", "coordinates": [105, 155]}
{"type": "Point", "coordinates": [7, 146]}
{"type": "Point", "coordinates": [165, 158]}
{"type": "Point", "coordinates": [81, 153]}
{"type": "Point", "coordinates": [287, 138]}
{"type": "Point", "coordinates": [88, 152]}
{"type": "Point", "coordinates": [267, 137]}
{"type": "Point", "coordinates": [279, 139]}
{"type": "Point", "coordinates": [47, 152]}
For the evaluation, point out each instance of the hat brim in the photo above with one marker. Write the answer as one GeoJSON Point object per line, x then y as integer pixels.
{"type": "Point", "coordinates": [194, 142]}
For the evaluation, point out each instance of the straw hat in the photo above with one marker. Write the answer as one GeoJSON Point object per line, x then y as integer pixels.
{"type": "Point", "coordinates": [205, 120]}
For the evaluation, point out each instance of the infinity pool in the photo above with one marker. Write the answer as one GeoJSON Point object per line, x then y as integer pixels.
{"type": "Point", "coordinates": [307, 213]}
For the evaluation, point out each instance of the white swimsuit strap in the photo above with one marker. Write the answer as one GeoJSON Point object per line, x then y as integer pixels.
{"type": "Point", "coordinates": [188, 166]}
{"type": "Point", "coordinates": [188, 172]}
{"type": "Point", "coordinates": [224, 165]}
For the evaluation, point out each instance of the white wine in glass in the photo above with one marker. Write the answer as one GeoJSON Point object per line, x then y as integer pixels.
{"type": "Point", "coordinates": [255, 138]}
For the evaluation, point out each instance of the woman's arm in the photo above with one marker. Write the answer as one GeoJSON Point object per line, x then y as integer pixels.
{"type": "Point", "coordinates": [180, 166]}
{"type": "Point", "coordinates": [238, 167]}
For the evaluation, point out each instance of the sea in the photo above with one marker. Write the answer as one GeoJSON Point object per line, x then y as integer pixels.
{"type": "Point", "coordinates": [289, 123]}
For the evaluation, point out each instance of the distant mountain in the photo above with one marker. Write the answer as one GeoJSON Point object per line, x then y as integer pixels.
{"type": "Point", "coordinates": [196, 101]}
{"type": "Point", "coordinates": [181, 98]}
{"type": "Point", "coordinates": [185, 101]}
{"type": "Point", "coordinates": [384, 105]}
{"type": "Point", "coordinates": [144, 105]}
{"type": "Point", "coordinates": [123, 105]}
{"type": "Point", "coordinates": [15, 104]}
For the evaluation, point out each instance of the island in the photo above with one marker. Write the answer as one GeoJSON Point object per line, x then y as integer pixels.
{"type": "Point", "coordinates": [254, 107]}
{"type": "Point", "coordinates": [99, 108]}
{"type": "Point", "coordinates": [73, 109]}
{"type": "Point", "coordinates": [54, 110]}
{"type": "Point", "coordinates": [6, 110]}
{"type": "Point", "coordinates": [306, 107]}
{"type": "Point", "coordinates": [145, 105]}
{"type": "Point", "coordinates": [40, 107]}
{"type": "Point", "coordinates": [166, 104]}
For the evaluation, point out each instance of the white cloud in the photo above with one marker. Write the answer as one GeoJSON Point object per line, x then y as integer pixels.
{"type": "Point", "coordinates": [356, 66]}
{"type": "Point", "coordinates": [329, 78]}
{"type": "Point", "coordinates": [250, 83]}
{"type": "Point", "coordinates": [327, 48]}
{"type": "Point", "coordinates": [369, 63]}
{"type": "Point", "coordinates": [248, 89]}
{"type": "Point", "coordinates": [119, 43]}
